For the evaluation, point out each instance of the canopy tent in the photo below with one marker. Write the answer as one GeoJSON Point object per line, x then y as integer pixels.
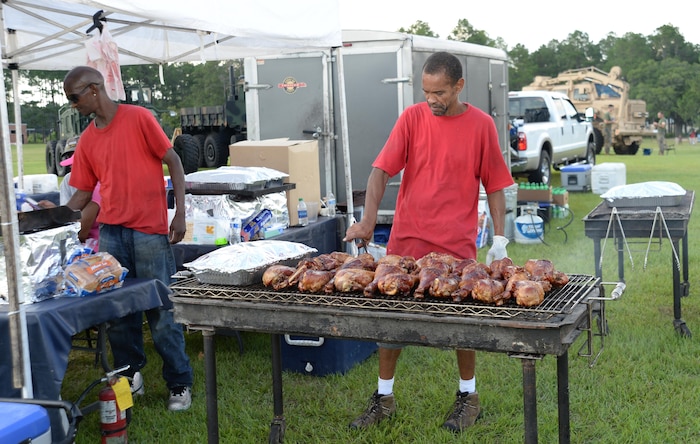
{"type": "Point", "coordinates": [51, 35]}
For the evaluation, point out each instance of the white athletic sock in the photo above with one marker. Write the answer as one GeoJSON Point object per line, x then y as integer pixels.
{"type": "Point", "coordinates": [467, 385]}
{"type": "Point", "coordinates": [385, 386]}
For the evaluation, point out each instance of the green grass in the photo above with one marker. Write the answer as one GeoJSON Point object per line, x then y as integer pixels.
{"type": "Point", "coordinates": [642, 390]}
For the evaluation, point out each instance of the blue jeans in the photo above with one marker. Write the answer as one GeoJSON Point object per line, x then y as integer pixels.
{"type": "Point", "coordinates": [146, 256]}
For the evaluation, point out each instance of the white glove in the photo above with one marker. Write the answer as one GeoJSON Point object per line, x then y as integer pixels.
{"type": "Point", "coordinates": [497, 250]}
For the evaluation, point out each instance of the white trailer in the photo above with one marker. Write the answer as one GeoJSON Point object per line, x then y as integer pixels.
{"type": "Point", "coordinates": [300, 96]}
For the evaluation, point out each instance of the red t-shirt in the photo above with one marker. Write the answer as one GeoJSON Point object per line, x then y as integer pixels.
{"type": "Point", "coordinates": [126, 158]}
{"type": "Point", "coordinates": [443, 158]}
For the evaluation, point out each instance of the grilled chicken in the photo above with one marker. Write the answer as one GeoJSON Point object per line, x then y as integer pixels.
{"type": "Point", "coordinates": [397, 284]}
{"type": "Point", "coordinates": [498, 266]}
{"type": "Point", "coordinates": [528, 293]}
{"type": "Point", "coordinates": [314, 281]}
{"type": "Point", "coordinates": [364, 261]}
{"type": "Point", "coordinates": [277, 276]}
{"type": "Point", "coordinates": [444, 286]}
{"type": "Point", "coordinates": [489, 291]}
{"type": "Point", "coordinates": [349, 280]}
{"type": "Point", "coordinates": [540, 269]}
{"type": "Point", "coordinates": [470, 274]}
{"type": "Point", "coordinates": [427, 275]}
{"type": "Point", "coordinates": [407, 263]}
{"type": "Point", "coordinates": [382, 270]}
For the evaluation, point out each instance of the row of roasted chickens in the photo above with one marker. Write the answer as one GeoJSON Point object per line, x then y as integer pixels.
{"type": "Point", "coordinates": [436, 275]}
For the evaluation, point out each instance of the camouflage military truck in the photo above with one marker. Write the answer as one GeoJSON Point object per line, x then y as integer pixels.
{"type": "Point", "coordinates": [212, 128]}
{"type": "Point", "coordinates": [593, 89]}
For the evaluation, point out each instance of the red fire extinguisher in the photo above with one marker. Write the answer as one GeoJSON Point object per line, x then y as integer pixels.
{"type": "Point", "coordinates": [113, 421]}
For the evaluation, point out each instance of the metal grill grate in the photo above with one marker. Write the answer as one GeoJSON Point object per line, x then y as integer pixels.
{"type": "Point", "coordinates": [558, 301]}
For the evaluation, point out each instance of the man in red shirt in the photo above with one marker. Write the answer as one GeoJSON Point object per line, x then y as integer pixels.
{"type": "Point", "coordinates": [124, 149]}
{"type": "Point", "coordinates": [446, 149]}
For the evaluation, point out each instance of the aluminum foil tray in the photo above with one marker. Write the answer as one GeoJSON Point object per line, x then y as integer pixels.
{"type": "Point", "coordinates": [659, 201]}
{"type": "Point", "coordinates": [240, 278]}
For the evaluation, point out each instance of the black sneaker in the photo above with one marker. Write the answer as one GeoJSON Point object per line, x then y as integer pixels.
{"type": "Point", "coordinates": [380, 408]}
{"type": "Point", "coordinates": [465, 412]}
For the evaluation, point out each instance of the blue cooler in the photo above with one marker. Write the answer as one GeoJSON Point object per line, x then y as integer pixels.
{"type": "Point", "coordinates": [21, 423]}
{"type": "Point", "coordinates": [576, 177]}
{"type": "Point", "coordinates": [320, 356]}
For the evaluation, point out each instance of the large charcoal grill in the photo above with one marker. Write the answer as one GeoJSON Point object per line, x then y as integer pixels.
{"type": "Point", "coordinates": [559, 301]}
{"type": "Point", "coordinates": [527, 333]}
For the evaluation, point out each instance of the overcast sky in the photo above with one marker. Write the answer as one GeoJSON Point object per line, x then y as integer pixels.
{"type": "Point", "coordinates": [532, 23]}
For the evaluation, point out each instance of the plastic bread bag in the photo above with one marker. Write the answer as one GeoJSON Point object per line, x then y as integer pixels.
{"type": "Point", "coordinates": [93, 274]}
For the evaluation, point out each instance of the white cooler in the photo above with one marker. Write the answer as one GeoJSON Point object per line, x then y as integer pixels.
{"type": "Point", "coordinates": [607, 175]}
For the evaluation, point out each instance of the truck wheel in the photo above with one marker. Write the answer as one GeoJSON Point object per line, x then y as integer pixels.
{"type": "Point", "coordinates": [215, 150]}
{"type": "Point", "coordinates": [544, 171]}
{"type": "Point", "coordinates": [51, 157]}
{"type": "Point", "coordinates": [599, 140]}
{"type": "Point", "coordinates": [60, 169]}
{"type": "Point", "coordinates": [187, 149]}
{"type": "Point", "coordinates": [590, 153]}
{"type": "Point", "coordinates": [199, 138]}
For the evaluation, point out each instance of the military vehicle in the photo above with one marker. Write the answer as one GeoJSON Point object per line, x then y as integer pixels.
{"type": "Point", "coordinates": [213, 128]}
{"type": "Point", "coordinates": [591, 90]}
{"type": "Point", "coordinates": [71, 124]}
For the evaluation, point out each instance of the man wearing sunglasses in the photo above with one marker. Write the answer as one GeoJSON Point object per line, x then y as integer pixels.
{"type": "Point", "coordinates": [124, 149]}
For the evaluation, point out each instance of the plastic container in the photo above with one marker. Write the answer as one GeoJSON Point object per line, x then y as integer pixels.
{"type": "Point", "coordinates": [302, 213]}
{"type": "Point", "coordinates": [331, 204]}
{"type": "Point", "coordinates": [319, 356]}
{"type": "Point", "coordinates": [608, 175]}
{"type": "Point", "coordinates": [20, 423]}
{"type": "Point", "coordinates": [312, 211]}
{"type": "Point", "coordinates": [529, 229]}
{"type": "Point", "coordinates": [576, 177]}
{"type": "Point", "coordinates": [234, 235]}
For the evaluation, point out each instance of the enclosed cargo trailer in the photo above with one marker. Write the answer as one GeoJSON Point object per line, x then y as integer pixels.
{"type": "Point", "coordinates": [297, 96]}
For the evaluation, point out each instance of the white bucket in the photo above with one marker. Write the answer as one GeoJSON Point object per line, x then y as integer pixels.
{"type": "Point", "coordinates": [529, 229]}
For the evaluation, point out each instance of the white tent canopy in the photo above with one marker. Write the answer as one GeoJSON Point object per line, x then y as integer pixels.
{"type": "Point", "coordinates": [51, 35]}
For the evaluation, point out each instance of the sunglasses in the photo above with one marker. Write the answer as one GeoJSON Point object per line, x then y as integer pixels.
{"type": "Point", "coordinates": [75, 98]}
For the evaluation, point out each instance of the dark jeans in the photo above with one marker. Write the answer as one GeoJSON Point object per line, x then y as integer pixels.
{"type": "Point", "coordinates": [146, 256]}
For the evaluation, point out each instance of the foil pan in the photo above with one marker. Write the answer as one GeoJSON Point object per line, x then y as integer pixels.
{"type": "Point", "coordinates": [243, 264]}
{"type": "Point", "coordinates": [43, 255]}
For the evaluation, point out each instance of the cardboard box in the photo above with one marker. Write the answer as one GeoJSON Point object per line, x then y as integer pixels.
{"type": "Point", "coordinates": [560, 199]}
{"type": "Point", "coordinates": [298, 158]}
{"type": "Point", "coordinates": [535, 195]}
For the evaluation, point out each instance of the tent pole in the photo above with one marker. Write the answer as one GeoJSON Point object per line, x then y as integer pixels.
{"type": "Point", "coordinates": [19, 134]}
{"type": "Point", "coordinates": [21, 367]}
{"type": "Point", "coordinates": [344, 136]}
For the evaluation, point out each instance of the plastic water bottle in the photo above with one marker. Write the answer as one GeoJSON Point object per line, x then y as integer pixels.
{"type": "Point", "coordinates": [302, 214]}
{"type": "Point", "coordinates": [234, 235]}
{"type": "Point", "coordinates": [331, 204]}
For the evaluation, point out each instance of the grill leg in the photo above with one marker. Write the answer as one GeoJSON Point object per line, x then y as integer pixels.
{"type": "Point", "coordinates": [278, 425]}
{"type": "Point", "coordinates": [210, 386]}
{"type": "Point", "coordinates": [563, 395]}
{"type": "Point", "coordinates": [530, 400]}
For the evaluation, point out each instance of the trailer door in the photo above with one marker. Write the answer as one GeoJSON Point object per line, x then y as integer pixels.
{"type": "Point", "coordinates": [289, 96]}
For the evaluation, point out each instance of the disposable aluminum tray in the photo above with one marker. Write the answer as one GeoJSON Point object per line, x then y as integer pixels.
{"type": "Point", "coordinates": [223, 187]}
{"type": "Point", "coordinates": [240, 278]}
{"type": "Point", "coordinates": [657, 201]}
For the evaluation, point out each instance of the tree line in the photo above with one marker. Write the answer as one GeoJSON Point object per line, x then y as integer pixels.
{"type": "Point", "coordinates": [661, 68]}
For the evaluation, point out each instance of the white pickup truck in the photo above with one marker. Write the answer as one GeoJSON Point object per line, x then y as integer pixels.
{"type": "Point", "coordinates": [547, 132]}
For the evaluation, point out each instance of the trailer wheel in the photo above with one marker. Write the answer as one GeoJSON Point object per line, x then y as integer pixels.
{"type": "Point", "coordinates": [216, 150]}
{"type": "Point", "coordinates": [199, 138]}
{"type": "Point", "coordinates": [51, 157]}
{"type": "Point", "coordinates": [187, 149]}
{"type": "Point", "coordinates": [60, 169]}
